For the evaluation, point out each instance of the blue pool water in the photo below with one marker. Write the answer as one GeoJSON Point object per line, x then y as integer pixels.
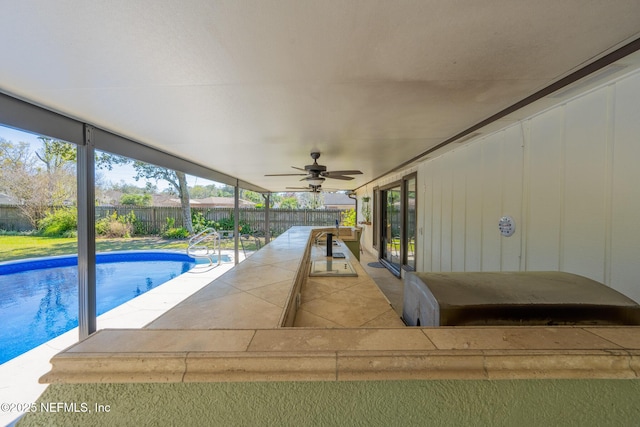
{"type": "Point", "coordinates": [39, 298]}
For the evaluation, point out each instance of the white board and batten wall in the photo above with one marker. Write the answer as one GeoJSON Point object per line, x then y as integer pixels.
{"type": "Point", "coordinates": [569, 177]}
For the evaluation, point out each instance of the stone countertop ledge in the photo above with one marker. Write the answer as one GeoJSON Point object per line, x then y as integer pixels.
{"type": "Point", "coordinates": [309, 354]}
{"type": "Point", "coordinates": [254, 323]}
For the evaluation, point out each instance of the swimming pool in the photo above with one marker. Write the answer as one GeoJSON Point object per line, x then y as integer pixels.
{"type": "Point", "coordinates": [39, 297]}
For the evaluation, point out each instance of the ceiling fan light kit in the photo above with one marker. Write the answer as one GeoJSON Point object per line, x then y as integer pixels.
{"type": "Point", "coordinates": [314, 181]}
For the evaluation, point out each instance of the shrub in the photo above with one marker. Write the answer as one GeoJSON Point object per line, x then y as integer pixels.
{"type": "Point", "coordinates": [227, 224]}
{"type": "Point", "coordinates": [59, 223]}
{"type": "Point", "coordinates": [199, 222]}
{"type": "Point", "coordinates": [116, 225]}
{"type": "Point", "coordinates": [70, 234]}
{"type": "Point", "coordinates": [102, 226]}
{"type": "Point", "coordinates": [172, 232]}
{"type": "Point", "coordinates": [176, 233]}
{"type": "Point", "coordinates": [349, 218]}
{"type": "Point", "coordinates": [117, 229]}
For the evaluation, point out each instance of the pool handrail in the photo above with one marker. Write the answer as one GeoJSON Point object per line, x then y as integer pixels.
{"type": "Point", "coordinates": [199, 249]}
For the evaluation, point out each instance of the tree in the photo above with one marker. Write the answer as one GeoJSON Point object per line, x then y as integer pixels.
{"type": "Point", "coordinates": [126, 188]}
{"type": "Point", "coordinates": [59, 158]}
{"type": "Point", "coordinates": [290, 202]}
{"type": "Point", "coordinates": [56, 155]}
{"type": "Point", "coordinates": [177, 180]}
{"type": "Point", "coordinates": [310, 200]}
{"type": "Point", "coordinates": [226, 191]}
{"type": "Point", "coordinates": [202, 191]}
{"type": "Point", "coordinates": [252, 196]}
{"type": "Point", "coordinates": [12, 154]}
{"type": "Point", "coordinates": [275, 199]}
{"type": "Point", "coordinates": [38, 188]}
{"type": "Point", "coordinates": [136, 199]}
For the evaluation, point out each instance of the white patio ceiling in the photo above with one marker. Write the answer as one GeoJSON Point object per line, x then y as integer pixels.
{"type": "Point", "coordinates": [250, 88]}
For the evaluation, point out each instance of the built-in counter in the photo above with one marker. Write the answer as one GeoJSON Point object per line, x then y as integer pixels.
{"type": "Point", "coordinates": [339, 301]}
{"type": "Point", "coordinates": [272, 288]}
{"type": "Point", "coordinates": [231, 331]}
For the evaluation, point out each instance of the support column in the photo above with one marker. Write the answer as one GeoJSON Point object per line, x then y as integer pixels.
{"type": "Point", "coordinates": [236, 221]}
{"type": "Point", "coordinates": [86, 235]}
{"type": "Point", "coordinates": [267, 219]}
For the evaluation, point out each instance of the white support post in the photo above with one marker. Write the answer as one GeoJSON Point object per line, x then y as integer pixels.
{"type": "Point", "coordinates": [267, 220]}
{"type": "Point", "coordinates": [236, 221]}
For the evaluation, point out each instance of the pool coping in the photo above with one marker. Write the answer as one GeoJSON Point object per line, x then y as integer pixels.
{"type": "Point", "coordinates": [66, 260]}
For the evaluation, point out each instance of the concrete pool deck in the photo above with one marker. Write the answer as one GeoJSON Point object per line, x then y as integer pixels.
{"type": "Point", "coordinates": [20, 375]}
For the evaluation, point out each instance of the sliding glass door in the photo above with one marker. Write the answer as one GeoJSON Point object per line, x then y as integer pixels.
{"type": "Point", "coordinates": [397, 225]}
{"type": "Point", "coordinates": [390, 232]}
{"type": "Point", "coordinates": [410, 218]}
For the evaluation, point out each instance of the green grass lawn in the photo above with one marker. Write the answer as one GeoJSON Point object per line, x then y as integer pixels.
{"type": "Point", "coordinates": [21, 247]}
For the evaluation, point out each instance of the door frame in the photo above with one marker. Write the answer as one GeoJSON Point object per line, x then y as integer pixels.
{"type": "Point", "coordinates": [379, 220]}
{"type": "Point", "coordinates": [405, 243]}
{"type": "Point", "coordinates": [382, 229]}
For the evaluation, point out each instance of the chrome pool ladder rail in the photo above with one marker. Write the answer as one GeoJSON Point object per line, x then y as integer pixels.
{"type": "Point", "coordinates": [205, 244]}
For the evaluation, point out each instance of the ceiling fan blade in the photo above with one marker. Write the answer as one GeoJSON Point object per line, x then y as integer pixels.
{"type": "Point", "coordinates": [349, 172]}
{"type": "Point", "coordinates": [287, 174]}
{"type": "Point", "coordinates": [342, 177]}
{"type": "Point", "coordinates": [300, 169]}
{"type": "Point", "coordinates": [301, 190]}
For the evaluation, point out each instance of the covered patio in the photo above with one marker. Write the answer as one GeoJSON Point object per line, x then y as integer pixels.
{"type": "Point", "coordinates": [460, 117]}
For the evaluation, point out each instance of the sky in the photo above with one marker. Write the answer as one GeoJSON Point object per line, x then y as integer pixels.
{"type": "Point", "coordinates": [116, 176]}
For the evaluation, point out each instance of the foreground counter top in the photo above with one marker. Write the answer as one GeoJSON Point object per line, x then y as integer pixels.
{"type": "Point", "coordinates": [240, 328]}
{"type": "Point", "coordinates": [309, 354]}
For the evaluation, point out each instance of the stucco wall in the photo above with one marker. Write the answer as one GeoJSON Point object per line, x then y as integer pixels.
{"type": "Point", "coordinates": [569, 176]}
{"type": "Point", "coordinates": [454, 403]}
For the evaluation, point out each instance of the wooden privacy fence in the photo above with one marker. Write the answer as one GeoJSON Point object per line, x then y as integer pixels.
{"type": "Point", "coordinates": [152, 220]}
{"type": "Point", "coordinates": [12, 219]}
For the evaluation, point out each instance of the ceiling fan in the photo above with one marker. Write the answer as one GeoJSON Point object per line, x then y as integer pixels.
{"type": "Point", "coordinates": [313, 189]}
{"type": "Point", "coordinates": [309, 189]}
{"type": "Point", "coordinates": [315, 174]}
